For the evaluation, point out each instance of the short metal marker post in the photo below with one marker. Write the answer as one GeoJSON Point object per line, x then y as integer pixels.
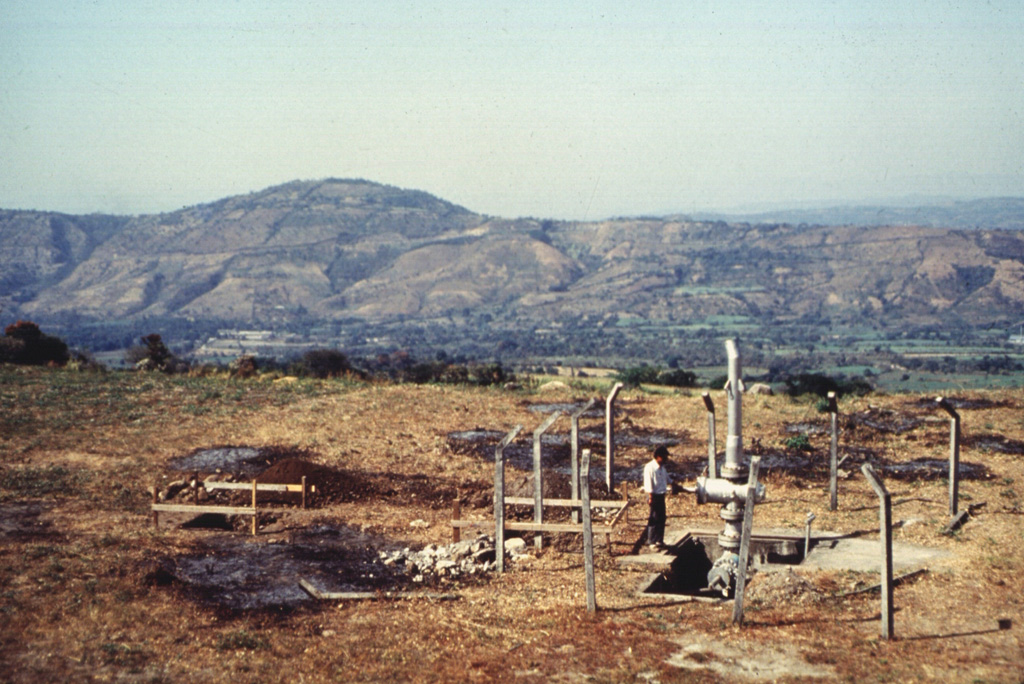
{"type": "Point", "coordinates": [885, 529]}
{"type": "Point", "coordinates": [609, 437]}
{"type": "Point", "coordinates": [538, 475]}
{"type": "Point", "coordinates": [954, 454]}
{"type": "Point", "coordinates": [712, 447]}
{"type": "Point", "coordinates": [499, 497]}
{"type": "Point", "coordinates": [748, 526]}
{"type": "Point", "coordinates": [574, 451]}
{"type": "Point", "coordinates": [588, 535]}
{"type": "Point", "coordinates": [833, 463]}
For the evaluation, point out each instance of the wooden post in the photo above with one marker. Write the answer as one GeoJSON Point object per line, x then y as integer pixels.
{"type": "Point", "coordinates": [499, 498]}
{"type": "Point", "coordinates": [456, 515]}
{"type": "Point", "coordinates": [156, 499]}
{"type": "Point", "coordinates": [588, 535]}
{"type": "Point", "coordinates": [538, 476]}
{"type": "Point", "coordinates": [303, 491]}
{"type": "Point", "coordinates": [954, 454]}
{"type": "Point", "coordinates": [712, 448]}
{"type": "Point", "coordinates": [254, 514]}
{"type": "Point", "coordinates": [748, 526]}
{"type": "Point", "coordinates": [609, 437]}
{"type": "Point", "coordinates": [833, 463]}
{"type": "Point", "coordinates": [574, 451]}
{"type": "Point", "coordinates": [885, 529]}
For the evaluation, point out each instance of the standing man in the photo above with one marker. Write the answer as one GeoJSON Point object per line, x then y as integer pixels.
{"type": "Point", "coordinates": [656, 486]}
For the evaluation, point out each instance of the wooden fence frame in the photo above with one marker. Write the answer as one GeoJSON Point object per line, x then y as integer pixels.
{"type": "Point", "coordinates": [156, 507]}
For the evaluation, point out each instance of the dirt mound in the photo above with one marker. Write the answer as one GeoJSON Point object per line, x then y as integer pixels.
{"type": "Point", "coordinates": [771, 589]}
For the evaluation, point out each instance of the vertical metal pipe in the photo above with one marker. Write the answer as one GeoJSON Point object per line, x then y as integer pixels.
{"type": "Point", "coordinates": [733, 466]}
{"type": "Point", "coordinates": [732, 469]}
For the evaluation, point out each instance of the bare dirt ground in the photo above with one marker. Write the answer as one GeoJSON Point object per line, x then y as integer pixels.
{"type": "Point", "coordinates": [90, 591]}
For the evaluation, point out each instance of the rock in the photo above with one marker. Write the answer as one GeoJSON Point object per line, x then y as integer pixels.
{"type": "Point", "coordinates": [515, 545]}
{"type": "Point", "coordinates": [553, 385]}
{"type": "Point", "coordinates": [761, 388]}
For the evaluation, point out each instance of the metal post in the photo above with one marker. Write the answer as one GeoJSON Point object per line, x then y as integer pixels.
{"type": "Point", "coordinates": [712, 447]}
{"type": "Point", "coordinates": [588, 536]}
{"type": "Point", "coordinates": [954, 454]}
{"type": "Point", "coordinates": [499, 498]}
{"type": "Point", "coordinates": [609, 437]}
{"type": "Point", "coordinates": [574, 450]}
{"type": "Point", "coordinates": [885, 528]}
{"type": "Point", "coordinates": [748, 525]}
{"type": "Point", "coordinates": [538, 475]}
{"type": "Point", "coordinates": [833, 463]}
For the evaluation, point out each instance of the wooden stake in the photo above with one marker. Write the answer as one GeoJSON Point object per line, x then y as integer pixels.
{"type": "Point", "coordinates": [156, 499]}
{"type": "Point", "coordinates": [303, 491]}
{"type": "Point", "coordinates": [712, 446]}
{"type": "Point", "coordinates": [499, 498]}
{"type": "Point", "coordinates": [885, 528]}
{"type": "Point", "coordinates": [748, 525]}
{"type": "Point", "coordinates": [833, 478]}
{"type": "Point", "coordinates": [456, 515]}
{"type": "Point", "coordinates": [588, 535]}
{"type": "Point", "coordinates": [254, 515]}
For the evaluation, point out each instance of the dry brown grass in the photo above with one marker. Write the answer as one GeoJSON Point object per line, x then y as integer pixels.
{"type": "Point", "coordinates": [77, 600]}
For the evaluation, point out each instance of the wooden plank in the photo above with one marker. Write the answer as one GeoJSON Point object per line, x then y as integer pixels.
{"type": "Point", "coordinates": [369, 595]}
{"type": "Point", "coordinates": [531, 526]}
{"type": "Point", "coordinates": [565, 503]}
{"type": "Point", "coordinates": [198, 509]}
{"type": "Point", "coordinates": [261, 486]}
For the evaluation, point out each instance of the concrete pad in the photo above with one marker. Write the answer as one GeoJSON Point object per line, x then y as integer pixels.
{"type": "Point", "coordinates": [865, 555]}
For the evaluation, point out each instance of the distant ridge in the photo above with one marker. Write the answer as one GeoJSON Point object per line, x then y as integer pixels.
{"type": "Point", "coordinates": [346, 252]}
{"type": "Point", "coordinates": [1002, 213]}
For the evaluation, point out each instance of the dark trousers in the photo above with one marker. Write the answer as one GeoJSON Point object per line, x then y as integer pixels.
{"type": "Point", "coordinates": [656, 520]}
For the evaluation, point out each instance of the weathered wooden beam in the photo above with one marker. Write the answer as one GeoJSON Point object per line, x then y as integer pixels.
{"type": "Point", "coordinates": [588, 535]}
{"type": "Point", "coordinates": [566, 503]}
{"type": "Point", "coordinates": [369, 595]}
{"type": "Point", "coordinates": [885, 528]}
{"type": "Point", "coordinates": [833, 471]}
{"type": "Point", "coordinates": [748, 526]}
{"type": "Point", "coordinates": [499, 497]}
{"type": "Point", "coordinates": [200, 508]}
{"type": "Point", "coordinates": [260, 486]}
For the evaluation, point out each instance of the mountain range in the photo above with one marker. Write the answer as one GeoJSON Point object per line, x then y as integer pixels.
{"type": "Point", "coordinates": [357, 251]}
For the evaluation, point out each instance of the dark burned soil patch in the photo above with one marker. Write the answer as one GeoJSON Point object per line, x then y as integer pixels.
{"type": "Point", "coordinates": [961, 403]}
{"type": "Point", "coordinates": [997, 443]}
{"type": "Point", "coordinates": [23, 521]}
{"type": "Point", "coordinates": [555, 447]}
{"type": "Point", "coordinates": [325, 485]}
{"type": "Point", "coordinates": [241, 575]}
{"type": "Point", "coordinates": [933, 469]}
{"type": "Point", "coordinates": [880, 420]}
{"type": "Point", "coordinates": [241, 461]}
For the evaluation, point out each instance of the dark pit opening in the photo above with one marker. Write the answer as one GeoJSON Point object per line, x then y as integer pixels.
{"type": "Point", "coordinates": [694, 556]}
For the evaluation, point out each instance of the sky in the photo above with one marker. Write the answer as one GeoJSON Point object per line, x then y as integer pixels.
{"type": "Point", "coordinates": [553, 110]}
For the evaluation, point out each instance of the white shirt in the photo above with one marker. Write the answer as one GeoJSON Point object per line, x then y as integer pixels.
{"type": "Point", "coordinates": [655, 478]}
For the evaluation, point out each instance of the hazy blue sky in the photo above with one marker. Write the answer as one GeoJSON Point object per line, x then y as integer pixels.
{"type": "Point", "coordinates": [547, 109]}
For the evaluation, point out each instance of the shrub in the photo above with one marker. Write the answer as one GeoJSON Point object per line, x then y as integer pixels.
{"type": "Point", "coordinates": [678, 378]}
{"type": "Point", "coordinates": [324, 363]}
{"type": "Point", "coordinates": [798, 442]}
{"type": "Point", "coordinates": [24, 343]}
{"type": "Point", "coordinates": [638, 375]}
